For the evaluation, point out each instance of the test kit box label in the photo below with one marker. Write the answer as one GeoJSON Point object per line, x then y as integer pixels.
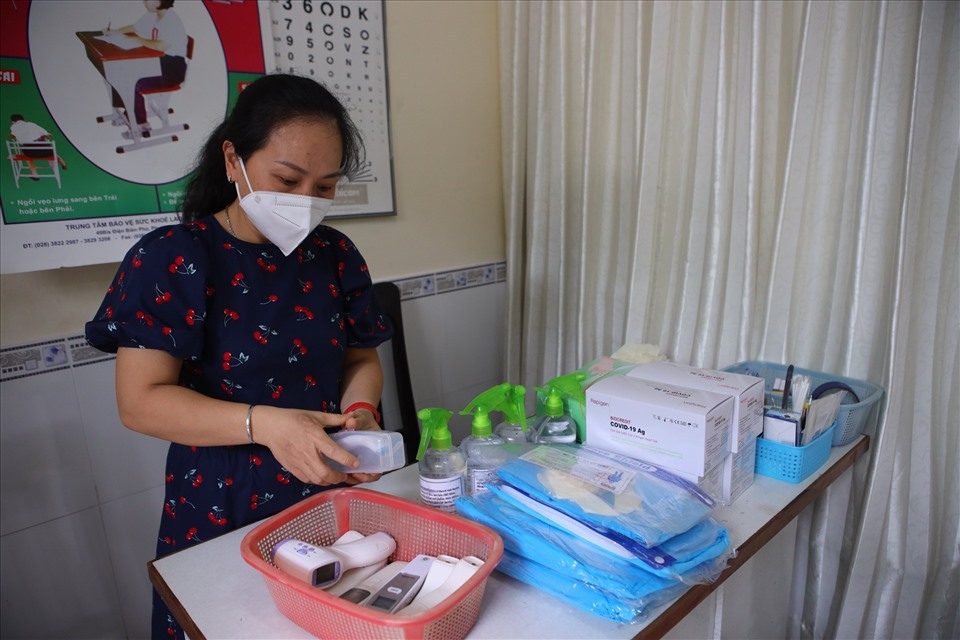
{"type": "Point", "coordinates": [667, 425]}
{"type": "Point", "coordinates": [747, 391]}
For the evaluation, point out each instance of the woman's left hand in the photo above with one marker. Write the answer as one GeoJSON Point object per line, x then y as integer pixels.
{"type": "Point", "coordinates": [361, 420]}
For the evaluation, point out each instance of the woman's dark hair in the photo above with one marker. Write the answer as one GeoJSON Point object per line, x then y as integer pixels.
{"type": "Point", "coordinates": [265, 104]}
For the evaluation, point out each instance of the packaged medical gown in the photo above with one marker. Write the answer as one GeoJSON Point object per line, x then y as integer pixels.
{"type": "Point", "coordinates": [632, 502]}
{"type": "Point", "coordinates": [608, 583]}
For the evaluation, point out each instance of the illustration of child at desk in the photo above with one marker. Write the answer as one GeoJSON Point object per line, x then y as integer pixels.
{"type": "Point", "coordinates": [142, 64]}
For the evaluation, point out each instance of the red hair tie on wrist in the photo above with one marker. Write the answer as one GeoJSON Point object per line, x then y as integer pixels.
{"type": "Point", "coordinates": [364, 405]}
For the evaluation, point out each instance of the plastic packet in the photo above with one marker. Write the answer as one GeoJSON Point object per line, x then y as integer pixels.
{"type": "Point", "coordinates": [634, 503]}
{"type": "Point", "coordinates": [584, 596]}
{"type": "Point", "coordinates": [621, 574]}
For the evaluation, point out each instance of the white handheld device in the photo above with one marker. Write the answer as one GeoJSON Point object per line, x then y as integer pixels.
{"type": "Point", "coordinates": [352, 577]}
{"type": "Point", "coordinates": [323, 566]}
{"type": "Point", "coordinates": [453, 578]}
{"type": "Point", "coordinates": [362, 592]}
{"type": "Point", "coordinates": [400, 590]}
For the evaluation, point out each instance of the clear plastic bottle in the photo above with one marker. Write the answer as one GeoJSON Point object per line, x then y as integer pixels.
{"type": "Point", "coordinates": [554, 426]}
{"type": "Point", "coordinates": [442, 465]}
{"type": "Point", "coordinates": [482, 450]}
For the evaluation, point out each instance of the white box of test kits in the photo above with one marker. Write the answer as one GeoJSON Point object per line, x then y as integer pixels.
{"type": "Point", "coordinates": [747, 390]}
{"type": "Point", "coordinates": [728, 480]}
{"type": "Point", "coordinates": [666, 425]}
{"type": "Point", "coordinates": [710, 483]}
{"type": "Point", "coordinates": [738, 470]}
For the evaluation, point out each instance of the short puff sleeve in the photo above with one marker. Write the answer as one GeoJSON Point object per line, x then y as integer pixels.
{"type": "Point", "coordinates": [157, 298]}
{"type": "Point", "coordinates": [368, 325]}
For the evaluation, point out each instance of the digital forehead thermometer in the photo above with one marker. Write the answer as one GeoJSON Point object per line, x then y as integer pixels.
{"type": "Point", "coordinates": [402, 588]}
{"type": "Point", "coordinates": [323, 566]}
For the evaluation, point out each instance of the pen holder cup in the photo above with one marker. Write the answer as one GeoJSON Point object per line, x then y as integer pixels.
{"type": "Point", "coordinates": [851, 418]}
{"type": "Point", "coordinates": [417, 529]}
{"type": "Point", "coordinates": [792, 464]}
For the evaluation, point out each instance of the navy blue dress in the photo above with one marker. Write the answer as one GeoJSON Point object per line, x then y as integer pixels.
{"type": "Point", "coordinates": [252, 327]}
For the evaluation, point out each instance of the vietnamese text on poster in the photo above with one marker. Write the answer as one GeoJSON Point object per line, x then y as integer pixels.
{"type": "Point", "coordinates": [95, 157]}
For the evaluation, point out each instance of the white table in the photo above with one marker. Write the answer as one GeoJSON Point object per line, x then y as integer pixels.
{"type": "Point", "coordinates": [214, 594]}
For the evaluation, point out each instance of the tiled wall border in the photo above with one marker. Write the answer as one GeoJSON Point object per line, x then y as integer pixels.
{"type": "Point", "coordinates": [430, 284]}
{"type": "Point", "coordinates": [23, 361]}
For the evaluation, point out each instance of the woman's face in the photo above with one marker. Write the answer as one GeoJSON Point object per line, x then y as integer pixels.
{"type": "Point", "coordinates": [301, 156]}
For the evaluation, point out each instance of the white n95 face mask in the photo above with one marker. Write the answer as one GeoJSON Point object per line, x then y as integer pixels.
{"type": "Point", "coordinates": [284, 218]}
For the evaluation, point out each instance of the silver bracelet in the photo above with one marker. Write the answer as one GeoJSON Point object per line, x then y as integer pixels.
{"type": "Point", "coordinates": [249, 425]}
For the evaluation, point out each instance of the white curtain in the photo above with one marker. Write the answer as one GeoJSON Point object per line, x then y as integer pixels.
{"type": "Point", "coordinates": [758, 180]}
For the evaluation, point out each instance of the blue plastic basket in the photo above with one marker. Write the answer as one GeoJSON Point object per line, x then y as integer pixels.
{"type": "Point", "coordinates": [851, 418]}
{"type": "Point", "coordinates": [793, 464]}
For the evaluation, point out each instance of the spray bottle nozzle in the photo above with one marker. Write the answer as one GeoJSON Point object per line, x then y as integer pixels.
{"type": "Point", "coordinates": [553, 404]}
{"type": "Point", "coordinates": [498, 398]}
{"type": "Point", "coordinates": [570, 385]}
{"type": "Point", "coordinates": [435, 431]}
{"type": "Point", "coordinates": [515, 408]}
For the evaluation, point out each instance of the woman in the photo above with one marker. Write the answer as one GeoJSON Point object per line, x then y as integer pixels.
{"type": "Point", "coordinates": [240, 336]}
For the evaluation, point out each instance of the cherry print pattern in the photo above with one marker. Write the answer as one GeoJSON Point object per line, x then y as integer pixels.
{"type": "Point", "coordinates": [258, 353]}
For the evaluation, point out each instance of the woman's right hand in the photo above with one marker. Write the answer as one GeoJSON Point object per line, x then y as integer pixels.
{"type": "Point", "coordinates": [299, 441]}
{"type": "Point", "coordinates": [151, 401]}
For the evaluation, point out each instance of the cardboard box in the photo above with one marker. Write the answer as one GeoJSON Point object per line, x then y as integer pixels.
{"type": "Point", "coordinates": [666, 425]}
{"type": "Point", "coordinates": [728, 480]}
{"type": "Point", "coordinates": [711, 483]}
{"type": "Point", "coordinates": [748, 391]}
{"type": "Point", "coordinates": [738, 470]}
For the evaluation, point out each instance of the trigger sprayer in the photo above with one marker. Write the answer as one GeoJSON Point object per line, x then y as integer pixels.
{"type": "Point", "coordinates": [442, 465]}
{"type": "Point", "coordinates": [571, 386]}
{"type": "Point", "coordinates": [510, 400]}
{"type": "Point", "coordinates": [514, 409]}
{"type": "Point", "coordinates": [557, 424]}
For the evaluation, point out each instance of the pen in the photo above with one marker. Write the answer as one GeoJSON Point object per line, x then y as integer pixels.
{"type": "Point", "coordinates": [786, 388]}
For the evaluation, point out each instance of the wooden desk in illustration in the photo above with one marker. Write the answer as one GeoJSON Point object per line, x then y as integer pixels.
{"type": "Point", "coordinates": [122, 64]}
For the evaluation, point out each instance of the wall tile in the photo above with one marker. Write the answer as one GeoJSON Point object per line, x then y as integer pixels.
{"type": "Point", "coordinates": [124, 462]}
{"type": "Point", "coordinates": [45, 471]}
{"type": "Point", "coordinates": [57, 581]}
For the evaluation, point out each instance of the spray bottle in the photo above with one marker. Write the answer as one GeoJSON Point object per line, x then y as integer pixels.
{"type": "Point", "coordinates": [509, 400]}
{"type": "Point", "coordinates": [573, 398]}
{"type": "Point", "coordinates": [555, 424]}
{"type": "Point", "coordinates": [481, 446]}
{"type": "Point", "coordinates": [442, 465]}
{"type": "Point", "coordinates": [514, 426]}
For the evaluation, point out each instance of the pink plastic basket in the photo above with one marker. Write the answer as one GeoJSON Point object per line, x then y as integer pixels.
{"type": "Point", "coordinates": [417, 529]}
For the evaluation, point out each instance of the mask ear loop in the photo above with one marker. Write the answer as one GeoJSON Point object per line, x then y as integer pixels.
{"type": "Point", "coordinates": [245, 177]}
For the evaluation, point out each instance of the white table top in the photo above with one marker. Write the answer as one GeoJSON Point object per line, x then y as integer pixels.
{"type": "Point", "coordinates": [218, 595]}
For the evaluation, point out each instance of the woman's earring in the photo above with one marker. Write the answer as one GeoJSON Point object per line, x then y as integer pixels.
{"type": "Point", "coordinates": [230, 179]}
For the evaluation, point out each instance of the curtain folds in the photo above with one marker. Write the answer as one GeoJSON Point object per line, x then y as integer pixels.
{"type": "Point", "coordinates": [773, 180]}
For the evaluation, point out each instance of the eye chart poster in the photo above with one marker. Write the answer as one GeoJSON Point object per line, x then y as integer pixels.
{"type": "Point", "coordinates": [92, 161]}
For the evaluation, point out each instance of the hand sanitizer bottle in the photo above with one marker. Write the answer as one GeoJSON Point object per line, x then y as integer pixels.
{"type": "Point", "coordinates": [554, 426]}
{"type": "Point", "coordinates": [481, 448]}
{"type": "Point", "coordinates": [442, 465]}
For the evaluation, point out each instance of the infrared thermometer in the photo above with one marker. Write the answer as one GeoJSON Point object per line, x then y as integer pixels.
{"type": "Point", "coordinates": [403, 587]}
{"type": "Point", "coordinates": [323, 566]}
